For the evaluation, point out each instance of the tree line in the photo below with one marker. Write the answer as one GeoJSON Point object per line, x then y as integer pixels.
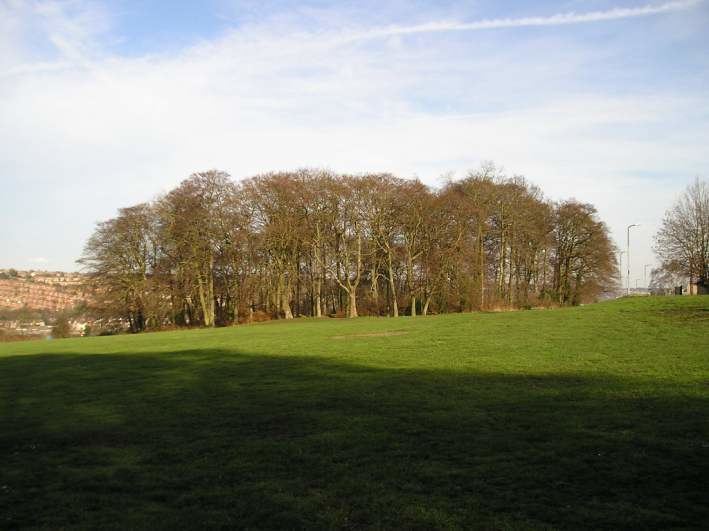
{"type": "Point", "coordinates": [214, 251]}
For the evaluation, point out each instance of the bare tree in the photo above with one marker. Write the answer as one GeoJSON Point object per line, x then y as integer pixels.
{"type": "Point", "coordinates": [121, 256]}
{"type": "Point", "coordinates": [385, 217]}
{"type": "Point", "coordinates": [682, 243]}
{"type": "Point", "coordinates": [311, 242]}
{"type": "Point", "coordinates": [349, 239]}
{"type": "Point", "coordinates": [414, 221]}
{"type": "Point", "coordinates": [584, 256]}
{"type": "Point", "coordinates": [194, 225]}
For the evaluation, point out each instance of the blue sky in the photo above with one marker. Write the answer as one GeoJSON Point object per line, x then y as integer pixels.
{"type": "Point", "coordinates": [106, 104]}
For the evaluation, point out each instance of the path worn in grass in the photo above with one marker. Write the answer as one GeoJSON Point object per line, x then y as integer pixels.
{"type": "Point", "coordinates": [591, 417]}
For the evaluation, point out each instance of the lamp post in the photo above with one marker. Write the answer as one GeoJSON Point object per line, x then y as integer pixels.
{"type": "Point", "coordinates": [628, 256]}
{"type": "Point", "coordinates": [645, 273]}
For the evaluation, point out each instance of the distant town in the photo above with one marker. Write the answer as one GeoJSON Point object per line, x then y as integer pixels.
{"type": "Point", "coordinates": [31, 303]}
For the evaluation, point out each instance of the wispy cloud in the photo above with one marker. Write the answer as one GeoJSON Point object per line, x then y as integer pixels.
{"type": "Point", "coordinates": [558, 19]}
{"type": "Point", "coordinates": [93, 130]}
{"type": "Point", "coordinates": [37, 36]}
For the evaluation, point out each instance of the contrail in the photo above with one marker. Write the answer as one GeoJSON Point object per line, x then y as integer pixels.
{"type": "Point", "coordinates": [553, 20]}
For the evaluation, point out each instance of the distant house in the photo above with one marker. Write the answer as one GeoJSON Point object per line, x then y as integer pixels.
{"type": "Point", "coordinates": [698, 287]}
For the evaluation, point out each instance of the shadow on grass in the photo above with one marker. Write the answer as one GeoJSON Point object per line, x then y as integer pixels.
{"type": "Point", "coordinates": [224, 439]}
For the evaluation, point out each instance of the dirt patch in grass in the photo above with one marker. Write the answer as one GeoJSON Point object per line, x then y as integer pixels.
{"type": "Point", "coordinates": [687, 314]}
{"type": "Point", "coordinates": [373, 334]}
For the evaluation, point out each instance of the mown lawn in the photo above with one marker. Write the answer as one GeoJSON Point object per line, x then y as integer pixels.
{"type": "Point", "coordinates": [589, 417]}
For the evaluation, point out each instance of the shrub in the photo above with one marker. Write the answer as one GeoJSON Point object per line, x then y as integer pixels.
{"type": "Point", "coordinates": [61, 327]}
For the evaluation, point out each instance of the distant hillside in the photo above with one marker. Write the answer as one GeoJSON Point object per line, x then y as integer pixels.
{"type": "Point", "coordinates": [41, 290]}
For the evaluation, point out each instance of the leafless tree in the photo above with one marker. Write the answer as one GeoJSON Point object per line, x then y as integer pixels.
{"type": "Point", "coordinates": [194, 220]}
{"type": "Point", "coordinates": [121, 256]}
{"type": "Point", "coordinates": [682, 243]}
{"type": "Point", "coordinates": [311, 242]}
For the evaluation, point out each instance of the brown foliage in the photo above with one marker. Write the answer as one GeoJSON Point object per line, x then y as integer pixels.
{"type": "Point", "coordinates": [311, 242]}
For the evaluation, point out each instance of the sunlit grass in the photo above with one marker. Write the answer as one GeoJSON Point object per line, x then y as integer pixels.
{"type": "Point", "coordinates": [585, 417]}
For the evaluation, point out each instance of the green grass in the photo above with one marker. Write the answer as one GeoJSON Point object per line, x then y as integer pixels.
{"type": "Point", "coordinates": [589, 417]}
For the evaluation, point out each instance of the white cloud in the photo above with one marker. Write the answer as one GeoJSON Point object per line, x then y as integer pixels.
{"type": "Point", "coordinates": [88, 132]}
{"type": "Point", "coordinates": [50, 34]}
{"type": "Point", "coordinates": [558, 19]}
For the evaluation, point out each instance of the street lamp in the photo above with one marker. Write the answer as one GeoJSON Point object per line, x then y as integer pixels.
{"type": "Point", "coordinates": [628, 252]}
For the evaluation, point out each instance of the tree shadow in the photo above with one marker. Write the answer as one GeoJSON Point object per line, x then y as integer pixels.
{"type": "Point", "coordinates": [225, 439]}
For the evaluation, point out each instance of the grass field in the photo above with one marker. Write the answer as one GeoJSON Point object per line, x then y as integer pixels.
{"type": "Point", "coordinates": [589, 417]}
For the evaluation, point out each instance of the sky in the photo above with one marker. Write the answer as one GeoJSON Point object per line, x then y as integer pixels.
{"type": "Point", "coordinates": [108, 104]}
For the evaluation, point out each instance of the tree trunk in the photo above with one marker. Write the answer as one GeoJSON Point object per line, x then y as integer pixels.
{"type": "Point", "coordinates": [352, 312]}
{"type": "Point", "coordinates": [410, 280]}
{"type": "Point", "coordinates": [509, 280]}
{"type": "Point", "coordinates": [318, 280]}
{"type": "Point", "coordinates": [284, 290]}
{"type": "Point", "coordinates": [544, 276]}
{"type": "Point", "coordinates": [481, 265]}
{"type": "Point", "coordinates": [205, 288]}
{"type": "Point", "coordinates": [287, 313]}
{"type": "Point", "coordinates": [297, 290]}
{"type": "Point", "coordinates": [276, 303]}
{"type": "Point", "coordinates": [210, 291]}
{"type": "Point", "coordinates": [392, 288]}
{"type": "Point", "coordinates": [501, 266]}
{"type": "Point", "coordinates": [374, 289]}
{"type": "Point", "coordinates": [424, 311]}
{"type": "Point", "coordinates": [318, 298]}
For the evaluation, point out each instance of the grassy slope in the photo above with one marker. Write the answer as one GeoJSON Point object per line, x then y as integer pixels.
{"type": "Point", "coordinates": [586, 417]}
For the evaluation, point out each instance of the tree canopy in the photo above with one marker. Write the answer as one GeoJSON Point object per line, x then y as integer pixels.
{"type": "Point", "coordinates": [313, 242]}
